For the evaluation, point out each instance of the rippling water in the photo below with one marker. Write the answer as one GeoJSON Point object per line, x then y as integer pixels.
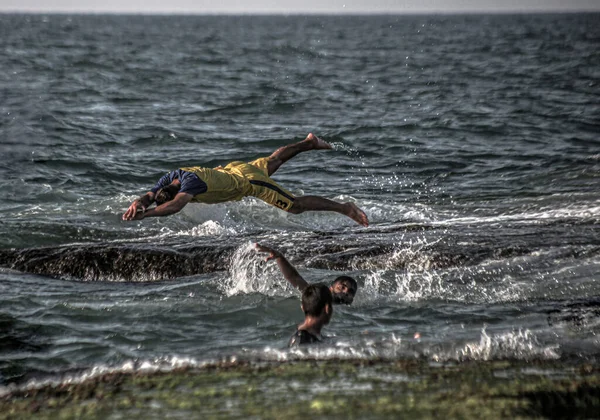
{"type": "Point", "coordinates": [470, 141]}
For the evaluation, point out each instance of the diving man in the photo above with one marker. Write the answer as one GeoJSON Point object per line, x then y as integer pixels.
{"type": "Point", "coordinates": [234, 182]}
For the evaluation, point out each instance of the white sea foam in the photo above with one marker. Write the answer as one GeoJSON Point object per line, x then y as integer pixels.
{"type": "Point", "coordinates": [386, 349]}
{"type": "Point", "coordinates": [385, 212]}
{"type": "Point", "coordinates": [208, 228]}
{"type": "Point", "coordinates": [587, 211]}
{"type": "Point", "coordinates": [519, 345]}
{"type": "Point", "coordinates": [251, 213]}
{"type": "Point", "coordinates": [160, 364]}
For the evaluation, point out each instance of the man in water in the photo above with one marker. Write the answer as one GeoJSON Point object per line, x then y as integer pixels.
{"type": "Point", "coordinates": [234, 182]}
{"type": "Point", "coordinates": [316, 305]}
{"type": "Point", "coordinates": [343, 289]}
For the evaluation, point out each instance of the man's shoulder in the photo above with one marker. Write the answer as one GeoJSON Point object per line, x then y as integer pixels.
{"type": "Point", "coordinates": [301, 337]}
{"type": "Point", "coordinates": [192, 181]}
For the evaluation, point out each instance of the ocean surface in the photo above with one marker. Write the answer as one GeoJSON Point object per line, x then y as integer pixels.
{"type": "Point", "coordinates": [471, 142]}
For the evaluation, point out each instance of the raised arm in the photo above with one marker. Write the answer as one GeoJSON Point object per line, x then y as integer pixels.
{"type": "Point", "coordinates": [287, 269]}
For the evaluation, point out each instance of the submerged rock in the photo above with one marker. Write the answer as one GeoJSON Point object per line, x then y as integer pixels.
{"type": "Point", "coordinates": [330, 251]}
{"type": "Point", "coordinates": [117, 263]}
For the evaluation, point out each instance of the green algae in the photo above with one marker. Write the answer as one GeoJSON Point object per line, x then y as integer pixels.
{"type": "Point", "coordinates": [324, 389]}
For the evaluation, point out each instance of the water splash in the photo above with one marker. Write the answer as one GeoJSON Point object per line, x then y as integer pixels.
{"type": "Point", "coordinates": [514, 345]}
{"type": "Point", "coordinates": [415, 270]}
{"type": "Point", "coordinates": [414, 283]}
{"type": "Point", "coordinates": [208, 228]}
{"type": "Point", "coordinates": [249, 273]}
{"type": "Point", "coordinates": [522, 345]}
{"type": "Point", "coordinates": [351, 151]}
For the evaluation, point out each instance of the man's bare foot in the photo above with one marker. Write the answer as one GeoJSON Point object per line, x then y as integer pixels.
{"type": "Point", "coordinates": [317, 143]}
{"type": "Point", "coordinates": [356, 214]}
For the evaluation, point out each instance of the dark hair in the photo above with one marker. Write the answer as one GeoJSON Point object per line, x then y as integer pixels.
{"type": "Point", "coordinates": [349, 281]}
{"type": "Point", "coordinates": [166, 194]}
{"type": "Point", "coordinates": [345, 298]}
{"type": "Point", "coordinates": [314, 299]}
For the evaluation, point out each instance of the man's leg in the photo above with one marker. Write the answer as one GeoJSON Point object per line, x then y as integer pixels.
{"type": "Point", "coordinates": [285, 153]}
{"type": "Point", "coordinates": [315, 203]}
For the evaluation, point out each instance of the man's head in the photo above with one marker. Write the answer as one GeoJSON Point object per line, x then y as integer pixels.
{"type": "Point", "coordinates": [317, 301]}
{"type": "Point", "coordinates": [343, 289]}
{"type": "Point", "coordinates": [166, 194]}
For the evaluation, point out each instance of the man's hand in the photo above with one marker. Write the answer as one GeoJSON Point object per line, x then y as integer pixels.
{"type": "Point", "coordinates": [287, 269]}
{"type": "Point", "coordinates": [135, 211]}
{"type": "Point", "coordinates": [272, 253]}
{"type": "Point", "coordinates": [139, 215]}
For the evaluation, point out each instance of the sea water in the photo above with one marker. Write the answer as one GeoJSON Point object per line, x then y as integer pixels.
{"type": "Point", "coordinates": [471, 142]}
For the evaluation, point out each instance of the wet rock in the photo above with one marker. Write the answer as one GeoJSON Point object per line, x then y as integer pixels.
{"type": "Point", "coordinates": [117, 263]}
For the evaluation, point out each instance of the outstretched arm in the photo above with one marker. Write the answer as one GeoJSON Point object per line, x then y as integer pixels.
{"type": "Point", "coordinates": [166, 209]}
{"type": "Point", "coordinates": [141, 203]}
{"type": "Point", "coordinates": [287, 269]}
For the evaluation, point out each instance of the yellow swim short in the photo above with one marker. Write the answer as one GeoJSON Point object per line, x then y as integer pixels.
{"type": "Point", "coordinates": [238, 180]}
